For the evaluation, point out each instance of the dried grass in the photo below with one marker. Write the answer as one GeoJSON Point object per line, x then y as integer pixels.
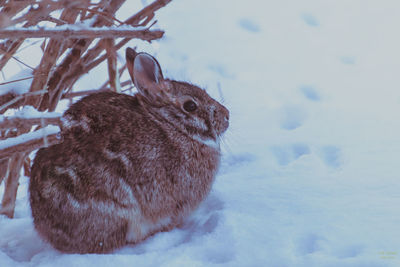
{"type": "Point", "coordinates": [52, 79]}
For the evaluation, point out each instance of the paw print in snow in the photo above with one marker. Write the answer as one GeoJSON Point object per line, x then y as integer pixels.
{"type": "Point", "coordinates": [249, 25]}
{"type": "Point", "coordinates": [310, 93]}
{"type": "Point", "coordinates": [332, 156]}
{"type": "Point", "coordinates": [287, 154]}
{"type": "Point", "coordinates": [292, 117]}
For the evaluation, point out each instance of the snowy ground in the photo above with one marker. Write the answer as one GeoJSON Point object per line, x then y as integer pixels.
{"type": "Point", "coordinates": [310, 169]}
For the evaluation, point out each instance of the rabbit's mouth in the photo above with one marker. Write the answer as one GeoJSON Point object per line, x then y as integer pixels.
{"type": "Point", "coordinates": [210, 142]}
{"type": "Point", "coordinates": [224, 125]}
{"type": "Point", "coordinates": [212, 137]}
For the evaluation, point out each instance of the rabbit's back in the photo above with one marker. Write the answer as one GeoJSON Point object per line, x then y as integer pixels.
{"type": "Point", "coordinates": [101, 114]}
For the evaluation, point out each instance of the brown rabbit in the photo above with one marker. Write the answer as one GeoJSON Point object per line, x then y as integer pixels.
{"type": "Point", "coordinates": [128, 166]}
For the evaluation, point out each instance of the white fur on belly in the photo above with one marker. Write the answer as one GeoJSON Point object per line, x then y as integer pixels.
{"type": "Point", "coordinates": [139, 228]}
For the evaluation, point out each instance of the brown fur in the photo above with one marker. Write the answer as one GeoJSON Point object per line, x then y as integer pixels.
{"type": "Point", "coordinates": [129, 166]}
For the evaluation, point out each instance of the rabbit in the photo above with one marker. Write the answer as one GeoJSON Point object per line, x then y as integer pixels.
{"type": "Point", "coordinates": [128, 166]}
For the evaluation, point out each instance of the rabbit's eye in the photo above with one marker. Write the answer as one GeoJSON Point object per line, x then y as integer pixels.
{"type": "Point", "coordinates": [189, 106]}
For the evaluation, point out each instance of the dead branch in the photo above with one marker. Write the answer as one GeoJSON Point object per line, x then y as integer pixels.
{"type": "Point", "coordinates": [89, 61]}
{"type": "Point", "coordinates": [146, 35]}
{"type": "Point", "coordinates": [18, 80]}
{"type": "Point", "coordinates": [44, 8]}
{"type": "Point", "coordinates": [57, 82]}
{"type": "Point", "coordinates": [112, 65]}
{"type": "Point", "coordinates": [11, 49]}
{"type": "Point", "coordinates": [15, 43]}
{"type": "Point", "coordinates": [135, 20]}
{"type": "Point", "coordinates": [10, 192]}
{"type": "Point", "coordinates": [28, 142]}
{"type": "Point", "coordinates": [55, 20]}
{"type": "Point", "coordinates": [17, 98]}
{"type": "Point", "coordinates": [30, 145]}
{"type": "Point", "coordinates": [69, 54]}
{"type": "Point", "coordinates": [88, 92]}
{"type": "Point", "coordinates": [53, 50]}
{"type": "Point", "coordinates": [27, 167]}
{"type": "Point", "coordinates": [104, 14]}
{"type": "Point", "coordinates": [17, 122]}
{"type": "Point", "coordinates": [3, 169]}
{"type": "Point", "coordinates": [110, 7]}
{"type": "Point", "coordinates": [148, 11]}
{"type": "Point", "coordinates": [72, 61]}
{"type": "Point", "coordinates": [104, 86]}
{"type": "Point", "coordinates": [16, 59]}
{"type": "Point", "coordinates": [9, 10]}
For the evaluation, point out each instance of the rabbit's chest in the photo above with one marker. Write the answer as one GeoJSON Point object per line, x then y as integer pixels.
{"type": "Point", "coordinates": [194, 179]}
{"type": "Point", "coordinates": [177, 183]}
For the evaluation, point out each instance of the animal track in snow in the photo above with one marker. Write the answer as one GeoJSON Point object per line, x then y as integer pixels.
{"type": "Point", "coordinates": [287, 154]}
{"type": "Point", "coordinates": [310, 93]}
{"type": "Point", "coordinates": [292, 117]}
{"type": "Point", "coordinates": [249, 25]}
{"type": "Point", "coordinates": [203, 222]}
{"type": "Point", "coordinates": [332, 156]}
{"type": "Point", "coordinates": [310, 243]}
{"type": "Point", "coordinates": [236, 159]}
{"type": "Point", "coordinates": [26, 246]}
{"type": "Point", "coordinates": [350, 251]}
{"type": "Point", "coordinates": [310, 20]}
{"type": "Point", "coordinates": [205, 219]}
{"type": "Point", "coordinates": [348, 60]}
{"type": "Point", "coordinates": [230, 161]}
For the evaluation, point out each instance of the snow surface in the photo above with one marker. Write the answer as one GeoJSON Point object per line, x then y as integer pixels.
{"type": "Point", "coordinates": [310, 174]}
{"type": "Point", "coordinates": [19, 87]}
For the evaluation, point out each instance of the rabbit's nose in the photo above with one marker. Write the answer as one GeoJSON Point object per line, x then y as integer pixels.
{"type": "Point", "coordinates": [225, 112]}
{"type": "Point", "coordinates": [226, 118]}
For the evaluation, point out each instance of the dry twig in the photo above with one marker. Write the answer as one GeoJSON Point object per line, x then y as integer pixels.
{"type": "Point", "coordinates": [10, 192]}
{"type": "Point", "coordinates": [17, 98]}
{"type": "Point", "coordinates": [112, 65]}
{"type": "Point", "coordinates": [30, 145]}
{"type": "Point", "coordinates": [17, 122]}
{"type": "Point", "coordinates": [146, 34]}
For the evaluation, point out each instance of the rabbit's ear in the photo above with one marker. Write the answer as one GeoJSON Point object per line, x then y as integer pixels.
{"type": "Point", "coordinates": [130, 55]}
{"type": "Point", "coordinates": [146, 73]}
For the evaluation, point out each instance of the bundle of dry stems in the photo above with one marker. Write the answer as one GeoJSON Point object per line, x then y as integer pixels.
{"type": "Point", "coordinates": [69, 52]}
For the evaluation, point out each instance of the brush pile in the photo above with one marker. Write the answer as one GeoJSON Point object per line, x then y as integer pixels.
{"type": "Point", "coordinates": [74, 37]}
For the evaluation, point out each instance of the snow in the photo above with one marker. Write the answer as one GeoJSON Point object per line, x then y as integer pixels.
{"type": "Point", "coordinates": [48, 130]}
{"type": "Point", "coordinates": [309, 175]}
{"type": "Point", "coordinates": [29, 112]}
{"type": "Point", "coordinates": [19, 87]}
